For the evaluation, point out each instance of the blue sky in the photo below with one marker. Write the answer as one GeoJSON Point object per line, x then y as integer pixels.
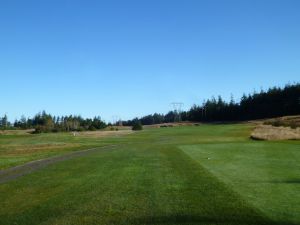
{"type": "Point", "coordinates": [132, 58]}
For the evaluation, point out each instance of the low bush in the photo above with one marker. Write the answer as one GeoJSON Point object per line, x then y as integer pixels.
{"type": "Point", "coordinates": [137, 126]}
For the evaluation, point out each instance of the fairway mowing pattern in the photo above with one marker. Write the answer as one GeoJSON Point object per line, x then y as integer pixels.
{"type": "Point", "coordinates": [132, 185]}
{"type": "Point", "coordinates": [187, 194]}
{"type": "Point", "coordinates": [266, 174]}
{"type": "Point", "coordinates": [146, 179]}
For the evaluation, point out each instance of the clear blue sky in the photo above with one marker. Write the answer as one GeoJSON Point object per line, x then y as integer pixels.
{"type": "Point", "coordinates": [131, 58]}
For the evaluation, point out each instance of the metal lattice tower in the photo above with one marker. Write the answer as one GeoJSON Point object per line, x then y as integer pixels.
{"type": "Point", "coordinates": [177, 110]}
{"type": "Point", "coordinates": [115, 119]}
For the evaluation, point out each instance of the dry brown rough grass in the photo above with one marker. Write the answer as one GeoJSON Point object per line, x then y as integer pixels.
{"type": "Point", "coordinates": [174, 124]}
{"type": "Point", "coordinates": [268, 132]}
{"type": "Point", "coordinates": [98, 134]}
{"type": "Point", "coordinates": [16, 132]}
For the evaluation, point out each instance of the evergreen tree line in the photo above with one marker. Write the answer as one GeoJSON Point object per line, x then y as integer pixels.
{"type": "Point", "coordinates": [44, 122]}
{"type": "Point", "coordinates": [273, 102]}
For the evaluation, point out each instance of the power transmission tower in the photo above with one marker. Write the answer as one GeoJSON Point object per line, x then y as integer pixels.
{"type": "Point", "coordinates": [177, 110]}
{"type": "Point", "coordinates": [115, 119]}
{"type": "Point", "coordinates": [120, 122]}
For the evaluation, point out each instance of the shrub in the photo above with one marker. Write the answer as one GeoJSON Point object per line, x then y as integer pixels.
{"type": "Point", "coordinates": [282, 123]}
{"type": "Point", "coordinates": [293, 125]}
{"type": "Point", "coordinates": [55, 130]}
{"type": "Point", "coordinates": [38, 130]}
{"type": "Point", "coordinates": [137, 126]}
{"type": "Point", "coordinates": [80, 129]}
{"type": "Point", "coordinates": [277, 123]}
{"type": "Point", "coordinates": [92, 128]}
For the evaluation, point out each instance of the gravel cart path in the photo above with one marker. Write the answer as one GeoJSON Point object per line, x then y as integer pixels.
{"type": "Point", "coordinates": [21, 170]}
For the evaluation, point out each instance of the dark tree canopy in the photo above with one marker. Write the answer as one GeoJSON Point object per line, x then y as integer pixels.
{"type": "Point", "coordinates": [44, 122]}
{"type": "Point", "coordinates": [274, 102]}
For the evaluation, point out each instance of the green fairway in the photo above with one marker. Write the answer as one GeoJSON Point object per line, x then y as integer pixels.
{"type": "Point", "coordinates": [18, 149]}
{"type": "Point", "coordinates": [266, 174]}
{"type": "Point", "coordinates": [210, 174]}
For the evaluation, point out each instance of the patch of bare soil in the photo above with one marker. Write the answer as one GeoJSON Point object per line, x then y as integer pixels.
{"type": "Point", "coordinates": [18, 171]}
{"type": "Point", "coordinates": [268, 132]}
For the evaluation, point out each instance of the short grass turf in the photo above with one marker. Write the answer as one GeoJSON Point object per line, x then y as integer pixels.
{"type": "Point", "coordinates": [266, 174]}
{"type": "Point", "coordinates": [157, 176]}
{"type": "Point", "coordinates": [19, 149]}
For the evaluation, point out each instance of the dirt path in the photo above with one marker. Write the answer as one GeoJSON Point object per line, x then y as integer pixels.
{"type": "Point", "coordinates": [18, 171]}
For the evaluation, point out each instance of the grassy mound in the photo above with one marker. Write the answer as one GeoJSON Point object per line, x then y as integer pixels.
{"type": "Point", "coordinates": [268, 132]}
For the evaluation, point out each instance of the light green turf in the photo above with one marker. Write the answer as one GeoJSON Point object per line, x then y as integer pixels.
{"type": "Point", "coordinates": [19, 149]}
{"type": "Point", "coordinates": [157, 176]}
{"type": "Point", "coordinates": [267, 174]}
